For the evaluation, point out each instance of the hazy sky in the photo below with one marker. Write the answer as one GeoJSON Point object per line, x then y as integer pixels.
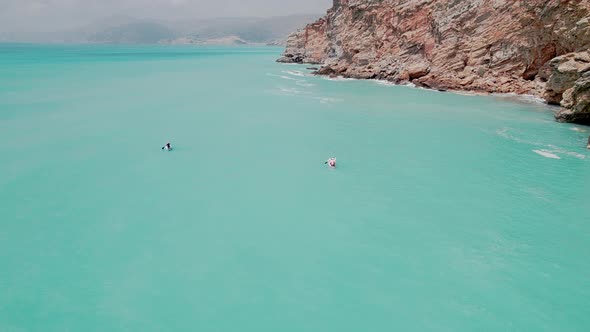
{"type": "Point", "coordinates": [38, 15]}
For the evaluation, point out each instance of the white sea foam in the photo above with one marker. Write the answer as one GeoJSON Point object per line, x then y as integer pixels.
{"type": "Point", "coordinates": [547, 154]}
{"type": "Point", "coordinates": [294, 73]}
{"type": "Point", "coordinates": [386, 83]}
{"type": "Point", "coordinates": [389, 83]}
{"type": "Point", "coordinates": [339, 78]}
{"type": "Point", "coordinates": [575, 155]}
{"type": "Point", "coordinates": [521, 98]}
{"type": "Point", "coordinates": [548, 150]}
{"type": "Point", "coordinates": [467, 93]}
{"type": "Point", "coordinates": [578, 129]}
{"type": "Point", "coordinates": [531, 99]}
{"type": "Point", "coordinates": [327, 100]}
{"type": "Point", "coordinates": [289, 91]}
{"type": "Point", "coordinates": [557, 149]}
{"type": "Point", "coordinates": [282, 76]}
{"type": "Point", "coordinates": [304, 83]}
{"type": "Point", "coordinates": [505, 133]}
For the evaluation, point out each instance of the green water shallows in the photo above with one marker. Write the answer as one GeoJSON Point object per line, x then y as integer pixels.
{"type": "Point", "coordinates": [440, 217]}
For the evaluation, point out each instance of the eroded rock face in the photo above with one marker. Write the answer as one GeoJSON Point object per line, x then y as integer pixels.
{"type": "Point", "coordinates": [564, 71]}
{"type": "Point", "coordinates": [307, 46]}
{"type": "Point", "coordinates": [576, 102]}
{"type": "Point", "coordinates": [477, 45]}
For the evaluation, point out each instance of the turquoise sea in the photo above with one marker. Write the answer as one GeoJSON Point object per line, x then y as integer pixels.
{"type": "Point", "coordinates": [446, 212]}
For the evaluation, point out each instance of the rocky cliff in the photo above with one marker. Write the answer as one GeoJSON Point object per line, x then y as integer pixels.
{"type": "Point", "coordinates": [475, 45]}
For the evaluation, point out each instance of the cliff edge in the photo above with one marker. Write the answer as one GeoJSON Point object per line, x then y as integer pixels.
{"type": "Point", "coordinates": [504, 46]}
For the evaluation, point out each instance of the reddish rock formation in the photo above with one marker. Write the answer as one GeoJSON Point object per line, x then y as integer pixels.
{"type": "Point", "coordinates": [576, 102]}
{"type": "Point", "coordinates": [475, 45]}
{"type": "Point", "coordinates": [564, 71]}
{"type": "Point", "coordinates": [307, 45]}
{"type": "Point", "coordinates": [569, 85]}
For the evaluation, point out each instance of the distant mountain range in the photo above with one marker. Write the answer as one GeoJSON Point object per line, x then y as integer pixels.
{"type": "Point", "coordinates": [132, 33]}
{"type": "Point", "coordinates": [126, 30]}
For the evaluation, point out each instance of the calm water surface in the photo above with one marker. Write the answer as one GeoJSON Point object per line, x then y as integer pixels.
{"type": "Point", "coordinates": [446, 212]}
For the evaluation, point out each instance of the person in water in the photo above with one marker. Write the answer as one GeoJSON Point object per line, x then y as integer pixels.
{"type": "Point", "coordinates": [167, 147]}
{"type": "Point", "coordinates": [331, 162]}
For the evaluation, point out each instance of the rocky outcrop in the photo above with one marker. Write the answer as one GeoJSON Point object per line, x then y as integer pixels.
{"type": "Point", "coordinates": [307, 46]}
{"type": "Point", "coordinates": [568, 85]}
{"type": "Point", "coordinates": [564, 71]}
{"type": "Point", "coordinates": [474, 45]}
{"type": "Point", "coordinates": [576, 102]}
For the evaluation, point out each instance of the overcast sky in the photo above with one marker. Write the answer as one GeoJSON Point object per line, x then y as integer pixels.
{"type": "Point", "coordinates": [50, 15]}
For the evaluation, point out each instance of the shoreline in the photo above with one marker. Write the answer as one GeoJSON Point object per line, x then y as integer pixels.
{"type": "Point", "coordinates": [513, 96]}
{"type": "Point", "coordinates": [496, 50]}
